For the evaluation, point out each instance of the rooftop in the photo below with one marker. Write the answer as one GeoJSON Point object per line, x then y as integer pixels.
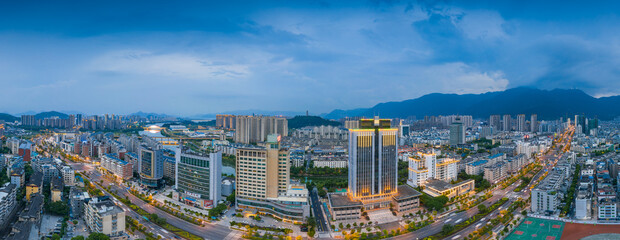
{"type": "Point", "coordinates": [342, 200]}
{"type": "Point", "coordinates": [405, 191]}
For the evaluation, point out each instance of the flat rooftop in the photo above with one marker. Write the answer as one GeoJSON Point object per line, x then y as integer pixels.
{"type": "Point", "coordinates": [405, 191]}
{"type": "Point", "coordinates": [339, 200]}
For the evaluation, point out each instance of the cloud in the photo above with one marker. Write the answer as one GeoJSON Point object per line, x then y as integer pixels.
{"type": "Point", "coordinates": [173, 66]}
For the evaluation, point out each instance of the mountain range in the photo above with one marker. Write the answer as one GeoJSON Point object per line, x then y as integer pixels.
{"type": "Point", "coordinates": [547, 104]}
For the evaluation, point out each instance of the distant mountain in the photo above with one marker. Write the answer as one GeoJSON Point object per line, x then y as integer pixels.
{"type": "Point", "coordinates": [304, 121]}
{"type": "Point", "coordinates": [146, 115]}
{"type": "Point", "coordinates": [50, 114]}
{"type": "Point", "coordinates": [8, 117]}
{"type": "Point", "coordinates": [548, 104]}
{"type": "Point", "coordinates": [249, 112]}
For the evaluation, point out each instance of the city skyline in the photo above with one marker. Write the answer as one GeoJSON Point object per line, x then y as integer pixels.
{"type": "Point", "coordinates": [169, 58]}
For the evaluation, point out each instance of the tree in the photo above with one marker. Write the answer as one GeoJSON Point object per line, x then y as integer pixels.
{"type": "Point", "coordinates": [482, 208]}
{"type": "Point", "coordinates": [231, 197]}
{"type": "Point", "coordinates": [98, 236]}
{"type": "Point", "coordinates": [55, 236]}
{"type": "Point", "coordinates": [80, 237]}
{"type": "Point", "coordinates": [446, 229]}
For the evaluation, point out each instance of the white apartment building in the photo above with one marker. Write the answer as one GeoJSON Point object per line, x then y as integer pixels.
{"type": "Point", "coordinates": [424, 166]}
{"type": "Point", "coordinates": [7, 201]}
{"type": "Point", "coordinates": [105, 217]}
{"type": "Point", "coordinates": [607, 209]}
{"type": "Point", "coordinates": [68, 176]}
{"type": "Point", "coordinates": [331, 163]}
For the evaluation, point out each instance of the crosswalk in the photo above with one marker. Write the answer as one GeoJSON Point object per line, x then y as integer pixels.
{"type": "Point", "coordinates": [234, 235]}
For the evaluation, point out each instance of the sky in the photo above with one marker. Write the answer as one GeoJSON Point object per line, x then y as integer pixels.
{"type": "Point", "coordinates": [187, 58]}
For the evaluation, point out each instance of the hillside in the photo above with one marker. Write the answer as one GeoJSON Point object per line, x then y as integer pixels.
{"type": "Point", "coordinates": [548, 104]}
{"type": "Point", "coordinates": [304, 121]}
{"type": "Point", "coordinates": [8, 117]}
{"type": "Point", "coordinates": [50, 114]}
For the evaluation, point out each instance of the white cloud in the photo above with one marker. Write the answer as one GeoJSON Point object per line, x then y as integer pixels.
{"type": "Point", "coordinates": [461, 78]}
{"type": "Point", "coordinates": [174, 65]}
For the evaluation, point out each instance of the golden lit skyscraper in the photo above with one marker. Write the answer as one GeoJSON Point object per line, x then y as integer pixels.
{"type": "Point", "coordinates": [373, 166]}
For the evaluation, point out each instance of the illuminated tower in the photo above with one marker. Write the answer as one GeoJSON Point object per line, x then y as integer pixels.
{"type": "Point", "coordinates": [373, 162]}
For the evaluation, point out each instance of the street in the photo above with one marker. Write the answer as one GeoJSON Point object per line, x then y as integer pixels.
{"type": "Point", "coordinates": [209, 231]}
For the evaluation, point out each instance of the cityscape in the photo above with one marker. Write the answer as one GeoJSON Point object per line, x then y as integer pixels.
{"type": "Point", "coordinates": [309, 120]}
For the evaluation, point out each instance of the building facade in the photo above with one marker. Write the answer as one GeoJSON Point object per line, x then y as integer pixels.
{"type": "Point", "coordinates": [373, 163]}
{"type": "Point", "coordinates": [198, 178]}
{"type": "Point", "coordinates": [151, 166]}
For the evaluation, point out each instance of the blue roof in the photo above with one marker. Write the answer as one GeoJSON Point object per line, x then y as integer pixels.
{"type": "Point", "coordinates": [116, 159]}
{"type": "Point", "coordinates": [479, 162]}
{"type": "Point", "coordinates": [496, 155]}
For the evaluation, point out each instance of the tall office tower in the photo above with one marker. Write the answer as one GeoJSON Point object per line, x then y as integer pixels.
{"type": "Point", "coordinates": [263, 182]}
{"type": "Point", "coordinates": [255, 129]}
{"type": "Point", "coordinates": [591, 124]}
{"type": "Point", "coordinates": [521, 122]}
{"type": "Point", "coordinates": [198, 177]}
{"type": "Point", "coordinates": [506, 123]}
{"type": "Point", "coordinates": [151, 166]}
{"type": "Point", "coordinates": [373, 163]}
{"type": "Point", "coordinates": [534, 123]}
{"type": "Point", "coordinates": [494, 121]}
{"type": "Point", "coordinates": [457, 132]}
{"type": "Point", "coordinates": [580, 121]}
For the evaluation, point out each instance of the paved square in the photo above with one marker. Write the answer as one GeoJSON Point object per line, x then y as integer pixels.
{"type": "Point", "coordinates": [537, 229]}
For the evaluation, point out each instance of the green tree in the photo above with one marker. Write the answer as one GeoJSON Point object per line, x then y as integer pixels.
{"type": "Point", "coordinates": [482, 208]}
{"type": "Point", "coordinates": [446, 229]}
{"type": "Point", "coordinates": [98, 236]}
{"type": "Point", "coordinates": [80, 237]}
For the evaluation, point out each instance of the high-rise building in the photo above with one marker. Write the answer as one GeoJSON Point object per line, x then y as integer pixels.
{"type": "Point", "coordinates": [151, 166]}
{"type": "Point", "coordinates": [373, 163]}
{"type": "Point", "coordinates": [507, 125]}
{"type": "Point", "coordinates": [263, 182]}
{"type": "Point", "coordinates": [457, 132]}
{"type": "Point", "coordinates": [78, 119]}
{"type": "Point", "coordinates": [534, 123]}
{"type": "Point", "coordinates": [494, 121]}
{"type": "Point", "coordinates": [521, 122]}
{"type": "Point", "coordinates": [225, 121]}
{"type": "Point", "coordinates": [198, 177]}
{"type": "Point", "coordinates": [255, 129]}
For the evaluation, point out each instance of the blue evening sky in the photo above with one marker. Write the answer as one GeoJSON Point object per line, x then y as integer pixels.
{"type": "Point", "coordinates": [195, 57]}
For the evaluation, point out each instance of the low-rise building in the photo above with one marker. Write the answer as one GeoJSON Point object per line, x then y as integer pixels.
{"type": "Point", "coordinates": [476, 167]}
{"type": "Point", "coordinates": [436, 188]}
{"type": "Point", "coordinates": [496, 172]}
{"type": "Point", "coordinates": [7, 201]}
{"type": "Point", "coordinates": [68, 176]}
{"type": "Point", "coordinates": [406, 199]}
{"type": "Point", "coordinates": [18, 177]}
{"type": "Point", "coordinates": [607, 209]}
{"type": "Point", "coordinates": [56, 188]}
{"type": "Point", "coordinates": [103, 216]}
{"type": "Point", "coordinates": [121, 169]}
{"type": "Point", "coordinates": [34, 185]}
{"type": "Point", "coordinates": [341, 207]}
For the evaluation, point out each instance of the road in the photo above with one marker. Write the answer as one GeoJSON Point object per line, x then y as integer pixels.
{"type": "Point", "coordinates": [157, 230]}
{"type": "Point", "coordinates": [318, 212]}
{"type": "Point", "coordinates": [551, 157]}
{"type": "Point", "coordinates": [548, 160]}
{"type": "Point", "coordinates": [209, 231]}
